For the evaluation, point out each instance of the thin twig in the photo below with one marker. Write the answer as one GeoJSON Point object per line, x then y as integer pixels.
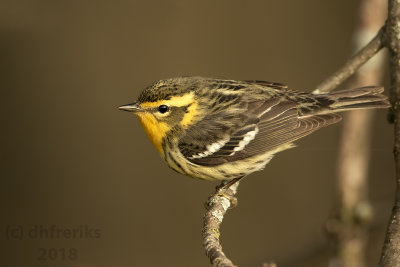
{"type": "Point", "coordinates": [391, 249]}
{"type": "Point", "coordinates": [354, 63]}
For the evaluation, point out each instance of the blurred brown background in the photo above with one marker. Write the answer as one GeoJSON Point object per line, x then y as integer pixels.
{"type": "Point", "coordinates": [69, 158]}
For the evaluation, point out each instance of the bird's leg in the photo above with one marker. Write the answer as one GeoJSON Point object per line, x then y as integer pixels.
{"type": "Point", "coordinates": [228, 183]}
{"type": "Point", "coordinates": [225, 190]}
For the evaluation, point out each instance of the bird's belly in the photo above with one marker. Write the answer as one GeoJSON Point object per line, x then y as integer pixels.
{"type": "Point", "coordinates": [234, 169]}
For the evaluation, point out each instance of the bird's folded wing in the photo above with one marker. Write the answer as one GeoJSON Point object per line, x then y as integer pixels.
{"type": "Point", "coordinates": [266, 125]}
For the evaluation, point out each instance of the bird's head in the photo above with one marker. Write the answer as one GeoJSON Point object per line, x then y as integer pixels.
{"type": "Point", "coordinates": [167, 105]}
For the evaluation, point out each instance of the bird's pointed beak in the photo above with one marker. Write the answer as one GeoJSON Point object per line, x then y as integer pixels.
{"type": "Point", "coordinates": [134, 107]}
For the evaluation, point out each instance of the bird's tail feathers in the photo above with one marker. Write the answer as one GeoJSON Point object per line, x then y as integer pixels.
{"type": "Point", "coordinates": [359, 98]}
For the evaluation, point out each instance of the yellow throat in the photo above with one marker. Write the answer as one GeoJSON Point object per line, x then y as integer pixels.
{"type": "Point", "coordinates": [154, 129]}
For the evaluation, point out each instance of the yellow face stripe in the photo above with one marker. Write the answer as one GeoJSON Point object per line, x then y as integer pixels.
{"type": "Point", "coordinates": [190, 114]}
{"type": "Point", "coordinates": [154, 129]}
{"type": "Point", "coordinates": [176, 101]}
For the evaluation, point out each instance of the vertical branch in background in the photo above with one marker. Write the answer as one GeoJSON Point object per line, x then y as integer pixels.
{"type": "Point", "coordinates": [224, 197]}
{"type": "Point", "coordinates": [351, 229]}
{"type": "Point", "coordinates": [391, 248]}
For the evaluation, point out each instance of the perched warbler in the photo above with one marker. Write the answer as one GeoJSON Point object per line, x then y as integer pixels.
{"type": "Point", "coordinates": [224, 129]}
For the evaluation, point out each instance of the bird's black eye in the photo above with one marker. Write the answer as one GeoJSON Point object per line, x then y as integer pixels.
{"type": "Point", "coordinates": [163, 108]}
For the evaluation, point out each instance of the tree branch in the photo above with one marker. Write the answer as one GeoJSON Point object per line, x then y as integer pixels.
{"type": "Point", "coordinates": [354, 63]}
{"type": "Point", "coordinates": [391, 249]}
{"type": "Point", "coordinates": [216, 206]}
